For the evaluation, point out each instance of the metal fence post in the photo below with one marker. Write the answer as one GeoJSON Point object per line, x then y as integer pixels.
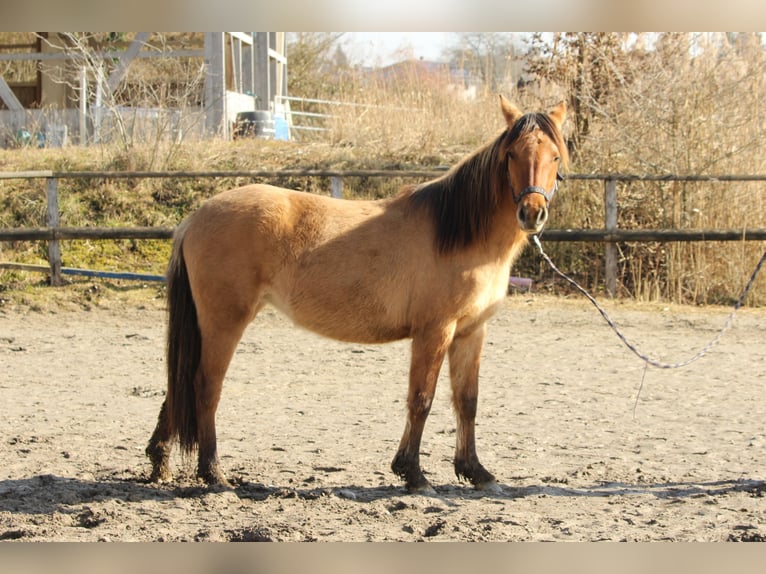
{"type": "Point", "coordinates": [336, 187]}
{"type": "Point", "coordinates": [54, 249]}
{"type": "Point", "coordinates": [610, 223]}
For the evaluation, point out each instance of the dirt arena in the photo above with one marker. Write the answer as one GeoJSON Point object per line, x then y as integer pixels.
{"type": "Point", "coordinates": [307, 429]}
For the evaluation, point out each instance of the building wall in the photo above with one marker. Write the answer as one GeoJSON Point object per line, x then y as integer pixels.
{"type": "Point", "coordinates": [54, 90]}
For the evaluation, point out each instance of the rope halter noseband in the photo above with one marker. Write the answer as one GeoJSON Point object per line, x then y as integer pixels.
{"type": "Point", "coordinates": [548, 195]}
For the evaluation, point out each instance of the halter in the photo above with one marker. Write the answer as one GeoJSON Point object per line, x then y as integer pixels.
{"type": "Point", "coordinates": [548, 195]}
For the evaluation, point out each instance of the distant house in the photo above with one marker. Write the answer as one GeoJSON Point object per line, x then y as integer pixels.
{"type": "Point", "coordinates": [413, 72]}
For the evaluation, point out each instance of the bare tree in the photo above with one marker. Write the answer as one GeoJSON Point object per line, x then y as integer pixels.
{"type": "Point", "coordinates": [490, 56]}
{"type": "Point", "coordinates": [589, 65]}
{"type": "Point", "coordinates": [316, 58]}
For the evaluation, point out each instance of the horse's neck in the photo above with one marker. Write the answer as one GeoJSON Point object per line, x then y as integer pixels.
{"type": "Point", "coordinates": [506, 239]}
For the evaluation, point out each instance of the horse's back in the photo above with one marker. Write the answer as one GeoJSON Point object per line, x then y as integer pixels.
{"type": "Point", "coordinates": [270, 210]}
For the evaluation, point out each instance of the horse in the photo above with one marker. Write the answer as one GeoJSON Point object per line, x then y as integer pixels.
{"type": "Point", "coordinates": [431, 264]}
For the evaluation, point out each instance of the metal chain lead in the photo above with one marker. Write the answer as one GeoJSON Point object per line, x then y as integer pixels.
{"type": "Point", "coordinates": [631, 346]}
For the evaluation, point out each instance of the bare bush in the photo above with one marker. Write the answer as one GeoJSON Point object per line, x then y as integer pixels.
{"type": "Point", "coordinates": [686, 104]}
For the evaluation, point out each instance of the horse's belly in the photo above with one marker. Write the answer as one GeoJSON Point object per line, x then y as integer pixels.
{"type": "Point", "coordinates": [340, 320]}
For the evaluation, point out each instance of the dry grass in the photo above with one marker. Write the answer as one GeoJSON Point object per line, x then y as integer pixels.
{"type": "Point", "coordinates": [676, 115]}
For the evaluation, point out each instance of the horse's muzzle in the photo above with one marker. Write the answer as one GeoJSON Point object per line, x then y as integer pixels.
{"type": "Point", "coordinates": [532, 216]}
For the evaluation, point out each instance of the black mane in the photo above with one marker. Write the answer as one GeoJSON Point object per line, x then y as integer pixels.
{"type": "Point", "coordinates": [463, 201]}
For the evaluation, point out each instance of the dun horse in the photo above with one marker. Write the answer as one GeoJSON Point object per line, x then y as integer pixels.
{"type": "Point", "coordinates": [431, 264]}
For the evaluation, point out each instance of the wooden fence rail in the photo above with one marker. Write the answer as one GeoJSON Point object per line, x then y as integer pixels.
{"type": "Point", "coordinates": [589, 235]}
{"type": "Point", "coordinates": [60, 233]}
{"type": "Point", "coordinates": [610, 234]}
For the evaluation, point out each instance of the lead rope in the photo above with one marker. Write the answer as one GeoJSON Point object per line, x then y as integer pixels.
{"type": "Point", "coordinates": [631, 346]}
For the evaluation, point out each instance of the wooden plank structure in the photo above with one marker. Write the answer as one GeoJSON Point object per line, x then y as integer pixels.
{"type": "Point", "coordinates": [8, 97]}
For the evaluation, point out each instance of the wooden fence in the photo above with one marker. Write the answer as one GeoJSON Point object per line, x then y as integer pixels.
{"type": "Point", "coordinates": [609, 234]}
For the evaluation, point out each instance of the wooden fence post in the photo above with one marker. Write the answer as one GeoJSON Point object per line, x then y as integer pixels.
{"type": "Point", "coordinates": [336, 187]}
{"type": "Point", "coordinates": [610, 223]}
{"type": "Point", "coordinates": [54, 249]}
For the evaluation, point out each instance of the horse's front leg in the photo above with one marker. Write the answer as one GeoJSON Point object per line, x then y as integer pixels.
{"type": "Point", "coordinates": [428, 351]}
{"type": "Point", "coordinates": [464, 360]}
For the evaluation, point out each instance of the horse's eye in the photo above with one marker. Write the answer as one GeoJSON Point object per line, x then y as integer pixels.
{"type": "Point", "coordinates": [557, 159]}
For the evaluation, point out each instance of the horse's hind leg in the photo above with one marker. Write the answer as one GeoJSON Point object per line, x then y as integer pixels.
{"type": "Point", "coordinates": [220, 337]}
{"type": "Point", "coordinates": [428, 351]}
{"type": "Point", "coordinates": [464, 360]}
{"type": "Point", "coordinates": [218, 347]}
{"type": "Point", "coordinates": [159, 447]}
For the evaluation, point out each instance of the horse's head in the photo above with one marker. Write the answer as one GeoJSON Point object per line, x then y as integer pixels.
{"type": "Point", "coordinates": [533, 153]}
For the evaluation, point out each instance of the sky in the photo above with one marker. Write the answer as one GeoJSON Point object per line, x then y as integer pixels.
{"type": "Point", "coordinates": [383, 48]}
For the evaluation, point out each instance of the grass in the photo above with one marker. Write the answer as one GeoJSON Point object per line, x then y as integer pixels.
{"type": "Point", "coordinates": [414, 127]}
{"type": "Point", "coordinates": [30, 292]}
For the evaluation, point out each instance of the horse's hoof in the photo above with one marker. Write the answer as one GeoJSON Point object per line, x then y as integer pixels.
{"type": "Point", "coordinates": [217, 482]}
{"type": "Point", "coordinates": [215, 477]}
{"type": "Point", "coordinates": [161, 475]}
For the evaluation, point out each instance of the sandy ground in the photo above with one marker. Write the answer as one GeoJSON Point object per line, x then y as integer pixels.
{"type": "Point", "coordinates": [307, 429]}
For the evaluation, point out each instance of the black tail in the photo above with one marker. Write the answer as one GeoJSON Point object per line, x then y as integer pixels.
{"type": "Point", "coordinates": [184, 345]}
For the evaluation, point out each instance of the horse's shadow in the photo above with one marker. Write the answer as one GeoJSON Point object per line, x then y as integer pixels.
{"type": "Point", "coordinates": [661, 490]}
{"type": "Point", "coordinates": [45, 494]}
{"type": "Point", "coordinates": [454, 493]}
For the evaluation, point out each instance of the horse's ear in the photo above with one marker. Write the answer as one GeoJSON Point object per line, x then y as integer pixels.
{"type": "Point", "coordinates": [510, 112]}
{"type": "Point", "coordinates": [559, 114]}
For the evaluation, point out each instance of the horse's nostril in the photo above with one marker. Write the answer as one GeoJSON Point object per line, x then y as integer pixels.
{"type": "Point", "coordinates": [542, 216]}
{"type": "Point", "coordinates": [532, 219]}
